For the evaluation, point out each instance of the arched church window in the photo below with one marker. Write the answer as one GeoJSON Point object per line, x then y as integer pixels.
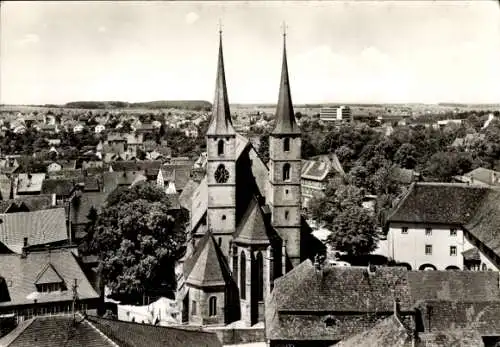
{"type": "Point", "coordinates": [212, 306]}
{"type": "Point", "coordinates": [243, 275]}
{"type": "Point", "coordinates": [286, 215]}
{"type": "Point", "coordinates": [220, 147]}
{"type": "Point", "coordinates": [286, 172]}
{"type": "Point", "coordinates": [260, 276]}
{"type": "Point", "coordinates": [286, 144]}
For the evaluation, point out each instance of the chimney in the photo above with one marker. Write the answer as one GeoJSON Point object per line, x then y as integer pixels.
{"type": "Point", "coordinates": [54, 200]}
{"type": "Point", "coordinates": [397, 307]}
{"type": "Point", "coordinates": [24, 251]}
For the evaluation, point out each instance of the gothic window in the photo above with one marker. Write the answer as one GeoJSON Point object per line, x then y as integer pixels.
{"type": "Point", "coordinates": [221, 174]}
{"type": "Point", "coordinates": [194, 310]}
{"type": "Point", "coordinates": [260, 277]}
{"type": "Point", "coordinates": [212, 306]}
{"type": "Point", "coordinates": [243, 275]}
{"type": "Point", "coordinates": [286, 144]}
{"type": "Point", "coordinates": [286, 215]}
{"type": "Point", "coordinates": [286, 172]}
{"type": "Point", "coordinates": [220, 147]}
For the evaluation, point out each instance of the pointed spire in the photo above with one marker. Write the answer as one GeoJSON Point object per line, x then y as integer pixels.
{"type": "Point", "coordinates": [285, 117]}
{"type": "Point", "coordinates": [221, 123]}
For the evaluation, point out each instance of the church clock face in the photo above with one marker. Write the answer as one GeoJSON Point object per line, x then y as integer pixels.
{"type": "Point", "coordinates": [221, 174]}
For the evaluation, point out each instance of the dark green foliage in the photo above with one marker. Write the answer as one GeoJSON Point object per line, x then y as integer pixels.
{"type": "Point", "coordinates": [264, 148]}
{"type": "Point", "coordinates": [138, 239]}
{"type": "Point", "coordinates": [353, 227]}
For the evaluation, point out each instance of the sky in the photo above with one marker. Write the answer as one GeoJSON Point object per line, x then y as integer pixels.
{"type": "Point", "coordinates": [338, 51]}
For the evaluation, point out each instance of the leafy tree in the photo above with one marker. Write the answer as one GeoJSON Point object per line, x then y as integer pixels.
{"type": "Point", "coordinates": [139, 240]}
{"type": "Point", "coordinates": [264, 148]}
{"type": "Point", "coordinates": [405, 156]}
{"type": "Point", "coordinates": [353, 227]}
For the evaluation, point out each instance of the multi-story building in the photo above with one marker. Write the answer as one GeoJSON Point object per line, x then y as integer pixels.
{"type": "Point", "coordinates": [446, 226]}
{"type": "Point", "coordinates": [246, 227]}
{"type": "Point", "coordinates": [340, 113]}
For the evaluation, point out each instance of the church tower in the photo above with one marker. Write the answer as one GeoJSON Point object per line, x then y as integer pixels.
{"type": "Point", "coordinates": [221, 164]}
{"type": "Point", "coordinates": [285, 170]}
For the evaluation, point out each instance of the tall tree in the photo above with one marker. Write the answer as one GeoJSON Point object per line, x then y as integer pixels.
{"type": "Point", "coordinates": [139, 240]}
{"type": "Point", "coordinates": [353, 227]}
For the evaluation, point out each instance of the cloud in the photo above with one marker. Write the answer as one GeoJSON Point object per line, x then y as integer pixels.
{"type": "Point", "coordinates": [29, 39]}
{"type": "Point", "coordinates": [102, 29]}
{"type": "Point", "coordinates": [192, 17]}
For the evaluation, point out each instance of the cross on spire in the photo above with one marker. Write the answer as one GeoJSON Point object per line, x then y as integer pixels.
{"type": "Point", "coordinates": [284, 27]}
{"type": "Point", "coordinates": [220, 27]}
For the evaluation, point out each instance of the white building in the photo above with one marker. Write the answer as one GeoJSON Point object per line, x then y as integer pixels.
{"type": "Point", "coordinates": [444, 226]}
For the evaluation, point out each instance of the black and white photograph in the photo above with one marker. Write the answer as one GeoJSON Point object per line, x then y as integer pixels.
{"type": "Point", "coordinates": [250, 173]}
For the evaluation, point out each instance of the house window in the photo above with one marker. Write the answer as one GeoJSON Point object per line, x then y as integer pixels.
{"type": "Point", "coordinates": [404, 230]}
{"type": "Point", "coordinates": [194, 309]}
{"type": "Point", "coordinates": [243, 271]}
{"type": "Point", "coordinates": [453, 250]}
{"type": "Point", "coordinates": [286, 172]}
{"type": "Point", "coordinates": [428, 231]}
{"type": "Point", "coordinates": [212, 306]}
{"type": "Point", "coordinates": [286, 145]}
{"type": "Point", "coordinates": [428, 249]}
{"type": "Point", "coordinates": [220, 147]}
{"type": "Point", "coordinates": [453, 232]}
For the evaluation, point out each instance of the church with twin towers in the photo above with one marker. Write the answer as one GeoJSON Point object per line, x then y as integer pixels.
{"type": "Point", "coordinates": [246, 228]}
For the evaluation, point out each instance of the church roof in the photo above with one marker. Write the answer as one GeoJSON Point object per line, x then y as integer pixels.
{"type": "Point", "coordinates": [253, 228]}
{"type": "Point", "coordinates": [285, 117]}
{"type": "Point", "coordinates": [207, 267]}
{"type": "Point", "coordinates": [221, 123]}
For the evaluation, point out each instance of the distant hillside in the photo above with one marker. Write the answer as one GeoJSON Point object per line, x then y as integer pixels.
{"type": "Point", "coordinates": [195, 105]}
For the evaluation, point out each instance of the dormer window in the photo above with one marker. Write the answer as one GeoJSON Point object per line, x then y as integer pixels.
{"type": "Point", "coordinates": [220, 147]}
{"type": "Point", "coordinates": [48, 280]}
{"type": "Point", "coordinates": [286, 144]}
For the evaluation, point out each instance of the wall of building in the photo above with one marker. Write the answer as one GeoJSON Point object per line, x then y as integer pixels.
{"type": "Point", "coordinates": [202, 315]}
{"type": "Point", "coordinates": [410, 247]}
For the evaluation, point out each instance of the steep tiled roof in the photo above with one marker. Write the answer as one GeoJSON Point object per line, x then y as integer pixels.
{"type": "Point", "coordinates": [285, 117]}
{"type": "Point", "coordinates": [304, 297]}
{"type": "Point", "coordinates": [221, 123]}
{"type": "Point", "coordinates": [48, 275]}
{"type": "Point", "coordinates": [81, 206]}
{"type": "Point", "coordinates": [40, 227]}
{"type": "Point", "coordinates": [33, 202]}
{"type": "Point", "coordinates": [485, 223]}
{"type": "Point", "coordinates": [454, 285]}
{"type": "Point", "coordinates": [207, 266]}
{"type": "Point", "coordinates": [482, 316]}
{"type": "Point", "coordinates": [187, 194]}
{"type": "Point", "coordinates": [91, 331]}
{"type": "Point", "coordinates": [129, 334]}
{"type": "Point", "coordinates": [338, 289]}
{"type": "Point", "coordinates": [22, 274]}
{"type": "Point", "coordinates": [133, 165]}
{"type": "Point", "coordinates": [438, 203]}
{"type": "Point", "coordinates": [59, 186]}
{"type": "Point", "coordinates": [253, 229]}
{"type": "Point", "coordinates": [387, 333]}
